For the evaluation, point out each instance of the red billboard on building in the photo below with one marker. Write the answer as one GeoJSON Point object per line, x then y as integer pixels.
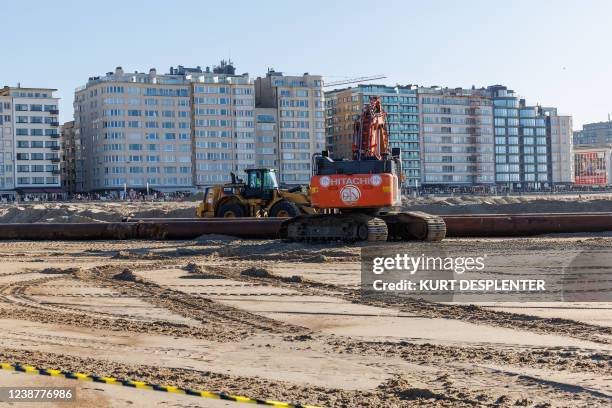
{"type": "Point", "coordinates": [591, 168]}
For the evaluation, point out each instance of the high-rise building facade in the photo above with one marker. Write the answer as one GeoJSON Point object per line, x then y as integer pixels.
{"type": "Point", "coordinates": [457, 135]}
{"type": "Point", "coordinates": [300, 122]}
{"type": "Point", "coordinates": [30, 149]}
{"type": "Point", "coordinates": [266, 138]}
{"type": "Point", "coordinates": [178, 131]}
{"type": "Point", "coordinates": [69, 153]}
{"type": "Point", "coordinates": [597, 134]}
{"type": "Point", "coordinates": [401, 104]}
{"type": "Point", "coordinates": [7, 149]}
{"type": "Point", "coordinates": [223, 124]}
{"type": "Point", "coordinates": [559, 130]}
{"type": "Point", "coordinates": [522, 148]}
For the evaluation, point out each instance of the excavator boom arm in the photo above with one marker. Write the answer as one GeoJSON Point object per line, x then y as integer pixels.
{"type": "Point", "coordinates": [370, 137]}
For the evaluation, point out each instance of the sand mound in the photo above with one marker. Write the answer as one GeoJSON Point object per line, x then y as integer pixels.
{"type": "Point", "coordinates": [93, 212]}
{"type": "Point", "coordinates": [202, 276]}
{"type": "Point", "coordinates": [192, 267]}
{"type": "Point", "coordinates": [263, 273]}
{"type": "Point", "coordinates": [59, 271]}
{"type": "Point", "coordinates": [138, 255]}
{"type": "Point", "coordinates": [406, 391]}
{"type": "Point", "coordinates": [256, 273]}
{"type": "Point", "coordinates": [126, 275]}
{"type": "Point", "coordinates": [87, 212]}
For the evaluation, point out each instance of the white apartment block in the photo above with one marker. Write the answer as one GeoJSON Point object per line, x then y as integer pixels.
{"type": "Point", "coordinates": [29, 141]}
{"type": "Point", "coordinates": [457, 132]}
{"type": "Point", "coordinates": [300, 123]}
{"type": "Point", "coordinates": [172, 132]}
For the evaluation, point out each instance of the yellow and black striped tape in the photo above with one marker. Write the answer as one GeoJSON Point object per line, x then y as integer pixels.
{"type": "Point", "coordinates": [146, 386]}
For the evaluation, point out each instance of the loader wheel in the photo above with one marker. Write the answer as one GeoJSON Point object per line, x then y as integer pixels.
{"type": "Point", "coordinates": [231, 210]}
{"type": "Point", "coordinates": [285, 209]}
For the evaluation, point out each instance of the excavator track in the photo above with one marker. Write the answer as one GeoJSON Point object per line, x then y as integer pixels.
{"type": "Point", "coordinates": [414, 226]}
{"type": "Point", "coordinates": [334, 227]}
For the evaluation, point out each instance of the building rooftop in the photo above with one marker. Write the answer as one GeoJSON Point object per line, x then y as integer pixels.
{"type": "Point", "coordinates": [181, 75]}
{"type": "Point", "coordinates": [9, 90]}
{"type": "Point", "coordinates": [597, 125]}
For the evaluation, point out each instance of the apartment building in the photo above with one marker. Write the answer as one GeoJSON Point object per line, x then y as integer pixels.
{"type": "Point", "coordinates": [223, 124]}
{"type": "Point", "coordinates": [459, 137]}
{"type": "Point", "coordinates": [292, 108]}
{"type": "Point", "coordinates": [7, 149]}
{"type": "Point", "coordinates": [457, 133]}
{"type": "Point", "coordinates": [343, 107]}
{"type": "Point", "coordinates": [559, 129]}
{"type": "Point", "coordinates": [266, 138]}
{"type": "Point", "coordinates": [522, 148]}
{"type": "Point", "coordinates": [168, 132]}
{"type": "Point", "coordinates": [599, 133]}
{"type": "Point", "coordinates": [69, 143]}
{"type": "Point", "coordinates": [29, 160]}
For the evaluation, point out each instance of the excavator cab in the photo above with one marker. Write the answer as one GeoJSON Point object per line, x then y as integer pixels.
{"type": "Point", "coordinates": [261, 184]}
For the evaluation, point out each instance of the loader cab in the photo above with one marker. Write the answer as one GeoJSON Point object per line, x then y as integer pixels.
{"type": "Point", "coordinates": [260, 183]}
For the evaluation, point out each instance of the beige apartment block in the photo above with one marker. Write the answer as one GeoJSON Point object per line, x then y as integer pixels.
{"type": "Point", "coordinates": [224, 127]}
{"type": "Point", "coordinates": [457, 132]}
{"type": "Point", "coordinates": [561, 146]}
{"type": "Point", "coordinates": [172, 132]}
{"type": "Point", "coordinates": [29, 137]}
{"type": "Point", "coordinates": [300, 127]}
{"type": "Point", "coordinates": [344, 106]}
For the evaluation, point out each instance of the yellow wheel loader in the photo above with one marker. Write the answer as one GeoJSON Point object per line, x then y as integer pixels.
{"type": "Point", "coordinates": [259, 196]}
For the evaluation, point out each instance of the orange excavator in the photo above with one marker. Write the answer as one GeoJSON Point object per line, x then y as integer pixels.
{"type": "Point", "coordinates": [360, 199]}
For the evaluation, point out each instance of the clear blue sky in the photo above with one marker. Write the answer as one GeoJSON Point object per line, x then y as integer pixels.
{"type": "Point", "coordinates": [555, 53]}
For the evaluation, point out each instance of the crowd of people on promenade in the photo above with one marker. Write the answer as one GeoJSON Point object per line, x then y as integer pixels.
{"type": "Point", "coordinates": [130, 195]}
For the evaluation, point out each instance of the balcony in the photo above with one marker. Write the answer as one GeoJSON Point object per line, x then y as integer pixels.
{"type": "Point", "coordinates": [55, 124]}
{"type": "Point", "coordinates": [54, 136]}
{"type": "Point", "coordinates": [53, 112]}
{"type": "Point", "coordinates": [55, 172]}
{"type": "Point", "coordinates": [55, 160]}
{"type": "Point", "coordinates": [54, 148]}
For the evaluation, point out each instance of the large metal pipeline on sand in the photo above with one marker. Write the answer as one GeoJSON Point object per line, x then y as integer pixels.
{"type": "Point", "coordinates": [469, 225]}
